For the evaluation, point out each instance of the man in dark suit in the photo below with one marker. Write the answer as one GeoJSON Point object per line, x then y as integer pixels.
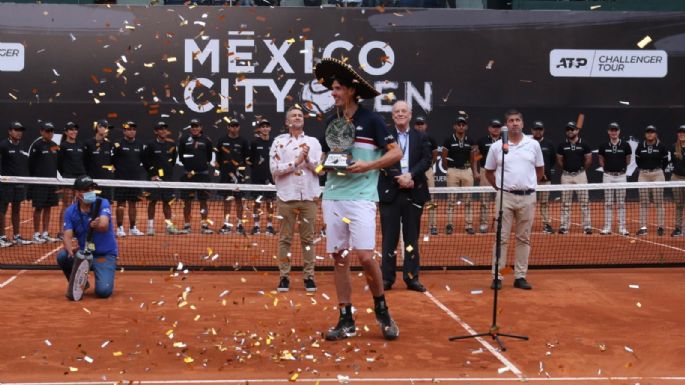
{"type": "Point", "coordinates": [402, 191]}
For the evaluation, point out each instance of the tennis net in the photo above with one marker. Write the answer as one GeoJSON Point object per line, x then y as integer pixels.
{"type": "Point", "coordinates": [650, 238]}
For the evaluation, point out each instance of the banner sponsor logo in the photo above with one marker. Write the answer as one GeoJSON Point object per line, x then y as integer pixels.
{"type": "Point", "coordinates": [11, 57]}
{"type": "Point", "coordinates": [588, 63]}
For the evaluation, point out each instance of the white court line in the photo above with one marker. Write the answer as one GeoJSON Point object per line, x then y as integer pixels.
{"type": "Point", "coordinates": [471, 331]}
{"type": "Point", "coordinates": [354, 379]}
{"type": "Point", "coordinates": [636, 238]}
{"type": "Point", "coordinates": [12, 278]}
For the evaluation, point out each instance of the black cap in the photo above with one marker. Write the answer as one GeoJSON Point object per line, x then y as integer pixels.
{"type": "Point", "coordinates": [462, 119]}
{"type": "Point", "coordinates": [650, 128]}
{"type": "Point", "coordinates": [103, 123]}
{"type": "Point", "coordinates": [264, 122]}
{"type": "Point", "coordinates": [195, 122]}
{"type": "Point", "coordinates": [84, 182]}
{"type": "Point", "coordinates": [161, 124]}
{"type": "Point", "coordinates": [420, 119]}
{"type": "Point", "coordinates": [571, 125]}
{"type": "Point", "coordinates": [681, 128]}
{"type": "Point", "coordinates": [614, 126]}
{"type": "Point", "coordinates": [47, 126]}
{"type": "Point", "coordinates": [70, 125]}
{"type": "Point", "coordinates": [538, 124]}
{"type": "Point", "coordinates": [17, 126]}
{"type": "Point", "coordinates": [130, 124]}
{"type": "Point", "coordinates": [233, 122]}
{"type": "Point", "coordinates": [495, 123]}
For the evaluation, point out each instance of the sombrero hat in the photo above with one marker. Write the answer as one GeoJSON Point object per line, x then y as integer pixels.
{"type": "Point", "coordinates": [331, 69]}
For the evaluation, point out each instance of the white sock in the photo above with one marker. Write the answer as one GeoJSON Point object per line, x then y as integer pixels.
{"type": "Point", "coordinates": [150, 223]}
{"type": "Point", "coordinates": [121, 228]}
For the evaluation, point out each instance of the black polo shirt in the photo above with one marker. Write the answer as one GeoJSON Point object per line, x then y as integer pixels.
{"type": "Point", "coordinates": [160, 155]}
{"type": "Point", "coordinates": [549, 156]}
{"type": "Point", "coordinates": [14, 158]}
{"type": "Point", "coordinates": [615, 155]}
{"type": "Point", "coordinates": [195, 153]}
{"type": "Point", "coordinates": [574, 154]}
{"type": "Point", "coordinates": [71, 159]}
{"type": "Point", "coordinates": [484, 144]}
{"type": "Point", "coordinates": [458, 151]}
{"type": "Point", "coordinates": [259, 160]}
{"type": "Point", "coordinates": [127, 157]}
{"type": "Point", "coordinates": [678, 164]}
{"type": "Point", "coordinates": [43, 158]}
{"type": "Point", "coordinates": [651, 156]}
{"type": "Point", "coordinates": [232, 158]}
{"type": "Point", "coordinates": [98, 158]}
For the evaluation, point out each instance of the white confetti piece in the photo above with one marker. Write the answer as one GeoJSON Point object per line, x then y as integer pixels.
{"type": "Point", "coordinates": [628, 349]}
{"type": "Point", "coordinates": [633, 286]}
{"type": "Point", "coordinates": [489, 65]}
{"type": "Point", "coordinates": [625, 103]}
{"type": "Point", "coordinates": [477, 351]}
{"type": "Point", "coordinates": [325, 296]}
{"type": "Point", "coordinates": [639, 304]}
{"type": "Point", "coordinates": [476, 292]}
{"type": "Point", "coordinates": [448, 288]}
{"type": "Point", "coordinates": [223, 293]}
{"type": "Point", "coordinates": [180, 266]}
{"type": "Point", "coordinates": [104, 344]}
{"type": "Point", "coordinates": [343, 379]}
{"type": "Point", "coordinates": [426, 238]}
{"type": "Point", "coordinates": [593, 7]}
{"type": "Point", "coordinates": [466, 260]}
{"type": "Point", "coordinates": [503, 370]}
{"type": "Point", "coordinates": [73, 38]}
{"type": "Point", "coordinates": [88, 359]}
{"type": "Point", "coordinates": [645, 40]}
{"type": "Point", "coordinates": [54, 71]}
{"type": "Point", "coordinates": [48, 343]}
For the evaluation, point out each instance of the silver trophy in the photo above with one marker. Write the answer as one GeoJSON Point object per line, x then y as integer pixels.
{"type": "Point", "coordinates": [340, 138]}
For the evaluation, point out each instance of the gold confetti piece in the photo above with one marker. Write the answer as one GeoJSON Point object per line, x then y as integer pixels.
{"type": "Point", "coordinates": [275, 302]}
{"type": "Point", "coordinates": [318, 168]}
{"type": "Point", "coordinates": [149, 65]}
{"type": "Point", "coordinates": [369, 310]}
{"type": "Point", "coordinates": [179, 345]}
{"type": "Point", "coordinates": [366, 328]}
{"type": "Point", "coordinates": [243, 280]}
{"type": "Point", "coordinates": [86, 310]}
{"type": "Point", "coordinates": [188, 360]}
{"type": "Point", "coordinates": [171, 59]}
{"type": "Point", "coordinates": [602, 347]}
{"type": "Point", "coordinates": [73, 369]}
{"type": "Point", "coordinates": [346, 220]}
{"type": "Point", "coordinates": [645, 40]}
{"type": "Point", "coordinates": [117, 354]}
{"type": "Point", "coordinates": [182, 304]}
{"type": "Point", "coordinates": [197, 317]}
{"type": "Point", "coordinates": [409, 248]}
{"type": "Point", "coordinates": [293, 378]}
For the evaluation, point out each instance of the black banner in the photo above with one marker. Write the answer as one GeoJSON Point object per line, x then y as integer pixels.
{"type": "Point", "coordinates": [82, 63]}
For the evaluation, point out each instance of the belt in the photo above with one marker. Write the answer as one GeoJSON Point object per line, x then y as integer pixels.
{"type": "Point", "coordinates": [618, 173]}
{"type": "Point", "coordinates": [650, 169]}
{"type": "Point", "coordinates": [520, 192]}
{"type": "Point", "coordinates": [574, 173]}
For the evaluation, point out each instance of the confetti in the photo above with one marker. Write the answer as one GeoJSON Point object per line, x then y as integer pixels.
{"type": "Point", "coordinates": [625, 103]}
{"type": "Point", "coordinates": [73, 369]}
{"type": "Point", "coordinates": [602, 347]}
{"type": "Point", "coordinates": [117, 354]}
{"type": "Point", "coordinates": [86, 310]}
{"type": "Point", "coordinates": [293, 378]}
{"type": "Point", "coordinates": [633, 286]}
{"type": "Point", "coordinates": [104, 344]}
{"type": "Point", "coordinates": [593, 7]}
{"type": "Point", "coordinates": [188, 360]}
{"type": "Point", "coordinates": [476, 292]}
{"type": "Point", "coordinates": [639, 305]}
{"type": "Point", "coordinates": [477, 351]}
{"type": "Point", "coordinates": [409, 248]}
{"type": "Point", "coordinates": [179, 345]}
{"type": "Point", "coordinates": [448, 288]}
{"type": "Point", "coordinates": [503, 370]}
{"type": "Point", "coordinates": [346, 220]}
{"type": "Point", "coordinates": [343, 379]}
{"type": "Point", "coordinates": [645, 40]}
{"type": "Point", "coordinates": [55, 72]}
{"type": "Point", "coordinates": [88, 359]}
{"type": "Point", "coordinates": [318, 168]}
{"type": "Point", "coordinates": [325, 296]}
{"type": "Point", "coordinates": [171, 59]}
{"type": "Point", "coordinates": [466, 260]}
{"type": "Point", "coordinates": [180, 266]}
{"type": "Point", "coordinates": [48, 343]}
{"type": "Point", "coordinates": [489, 65]}
{"type": "Point", "coordinates": [628, 349]}
{"type": "Point", "coordinates": [426, 238]}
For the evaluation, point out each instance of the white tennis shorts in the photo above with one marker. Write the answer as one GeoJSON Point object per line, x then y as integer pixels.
{"type": "Point", "coordinates": [349, 225]}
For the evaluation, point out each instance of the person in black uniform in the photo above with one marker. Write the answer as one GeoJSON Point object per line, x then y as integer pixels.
{"type": "Point", "coordinates": [402, 192]}
{"type": "Point", "coordinates": [70, 163]}
{"type": "Point", "coordinates": [549, 155]}
{"type": "Point", "coordinates": [14, 160]}
{"type": "Point", "coordinates": [261, 174]}
{"type": "Point", "coordinates": [678, 159]}
{"type": "Point", "coordinates": [98, 159]}
{"type": "Point", "coordinates": [483, 146]}
{"type": "Point", "coordinates": [232, 154]}
{"type": "Point", "coordinates": [614, 158]}
{"type": "Point", "coordinates": [574, 157]}
{"type": "Point", "coordinates": [195, 151]}
{"type": "Point", "coordinates": [127, 157]}
{"type": "Point", "coordinates": [43, 158]}
{"type": "Point", "coordinates": [651, 157]}
{"type": "Point", "coordinates": [459, 159]}
{"type": "Point", "coordinates": [159, 158]}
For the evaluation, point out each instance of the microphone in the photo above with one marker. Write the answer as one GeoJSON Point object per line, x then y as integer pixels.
{"type": "Point", "coordinates": [505, 139]}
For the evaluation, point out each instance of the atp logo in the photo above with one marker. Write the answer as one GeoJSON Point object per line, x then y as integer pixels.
{"type": "Point", "coordinates": [571, 62]}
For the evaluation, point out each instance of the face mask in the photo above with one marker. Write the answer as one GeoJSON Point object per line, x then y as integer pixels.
{"type": "Point", "coordinates": [89, 197]}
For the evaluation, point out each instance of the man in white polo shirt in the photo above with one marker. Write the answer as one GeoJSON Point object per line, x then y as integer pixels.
{"type": "Point", "coordinates": [523, 168]}
{"type": "Point", "coordinates": [293, 160]}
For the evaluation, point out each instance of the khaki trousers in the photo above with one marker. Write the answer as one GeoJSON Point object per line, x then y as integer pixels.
{"type": "Point", "coordinates": [519, 211]}
{"type": "Point", "coordinates": [679, 200]}
{"type": "Point", "coordinates": [567, 198]}
{"type": "Point", "coordinates": [486, 200]}
{"type": "Point", "coordinates": [543, 202]}
{"type": "Point", "coordinates": [290, 211]}
{"type": "Point", "coordinates": [430, 206]}
{"type": "Point", "coordinates": [657, 196]}
{"type": "Point", "coordinates": [617, 197]}
{"type": "Point", "coordinates": [457, 177]}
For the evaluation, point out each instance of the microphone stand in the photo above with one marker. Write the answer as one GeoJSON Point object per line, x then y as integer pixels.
{"type": "Point", "coordinates": [494, 328]}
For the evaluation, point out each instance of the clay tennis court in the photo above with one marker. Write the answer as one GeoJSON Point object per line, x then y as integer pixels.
{"type": "Point", "coordinates": [619, 326]}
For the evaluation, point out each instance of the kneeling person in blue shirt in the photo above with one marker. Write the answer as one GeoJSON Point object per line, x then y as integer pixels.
{"type": "Point", "coordinates": [76, 224]}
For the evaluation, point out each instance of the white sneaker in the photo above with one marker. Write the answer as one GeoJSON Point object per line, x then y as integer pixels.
{"type": "Point", "coordinates": [150, 231]}
{"type": "Point", "coordinates": [120, 232]}
{"type": "Point", "coordinates": [135, 232]}
{"type": "Point", "coordinates": [48, 238]}
{"type": "Point", "coordinates": [21, 241]}
{"type": "Point", "coordinates": [624, 232]}
{"type": "Point", "coordinates": [4, 242]}
{"type": "Point", "coordinates": [605, 232]}
{"type": "Point", "coordinates": [38, 239]}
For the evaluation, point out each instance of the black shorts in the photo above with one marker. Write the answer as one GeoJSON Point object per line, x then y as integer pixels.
{"type": "Point", "coordinates": [105, 192]}
{"type": "Point", "coordinates": [11, 193]}
{"type": "Point", "coordinates": [189, 194]}
{"type": "Point", "coordinates": [127, 194]}
{"type": "Point", "coordinates": [43, 196]}
{"type": "Point", "coordinates": [161, 194]}
{"type": "Point", "coordinates": [228, 179]}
